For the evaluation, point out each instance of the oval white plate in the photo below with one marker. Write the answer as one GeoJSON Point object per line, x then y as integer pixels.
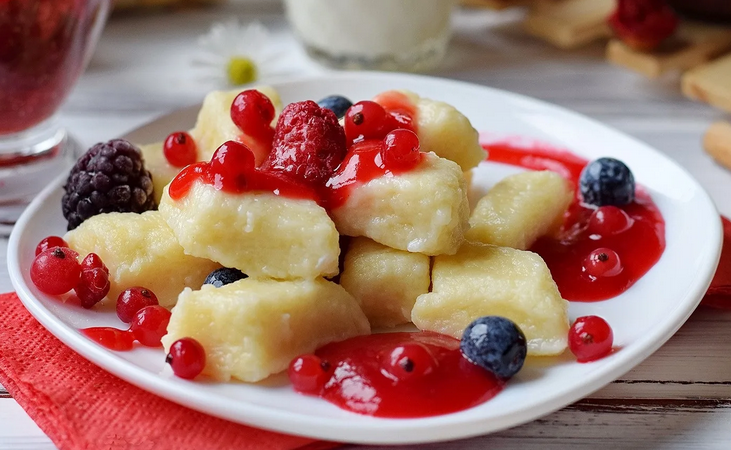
{"type": "Point", "coordinates": [643, 318]}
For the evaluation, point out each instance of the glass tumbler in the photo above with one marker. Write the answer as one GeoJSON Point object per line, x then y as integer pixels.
{"type": "Point", "coordinates": [400, 35]}
{"type": "Point", "coordinates": [44, 47]}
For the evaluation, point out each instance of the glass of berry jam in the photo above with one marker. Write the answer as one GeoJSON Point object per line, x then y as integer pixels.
{"type": "Point", "coordinates": [44, 47]}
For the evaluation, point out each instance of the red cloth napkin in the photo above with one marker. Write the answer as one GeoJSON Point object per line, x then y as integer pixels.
{"type": "Point", "coordinates": [82, 407]}
{"type": "Point", "coordinates": [719, 294]}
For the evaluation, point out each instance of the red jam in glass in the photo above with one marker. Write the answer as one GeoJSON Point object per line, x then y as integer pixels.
{"type": "Point", "coordinates": [43, 44]}
{"type": "Point", "coordinates": [637, 236]}
{"type": "Point", "coordinates": [362, 380]}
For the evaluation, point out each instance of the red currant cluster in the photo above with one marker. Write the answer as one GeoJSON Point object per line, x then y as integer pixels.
{"type": "Point", "coordinates": [606, 221]}
{"type": "Point", "coordinates": [367, 124]}
{"type": "Point", "coordinates": [56, 271]}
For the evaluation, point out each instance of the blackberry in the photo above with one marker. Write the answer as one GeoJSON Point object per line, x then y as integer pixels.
{"type": "Point", "coordinates": [109, 177]}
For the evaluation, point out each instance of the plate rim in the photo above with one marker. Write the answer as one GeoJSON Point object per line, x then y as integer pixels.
{"type": "Point", "coordinates": [369, 431]}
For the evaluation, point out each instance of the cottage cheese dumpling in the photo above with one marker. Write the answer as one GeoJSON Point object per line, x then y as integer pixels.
{"type": "Point", "coordinates": [520, 209]}
{"type": "Point", "coordinates": [442, 129]}
{"type": "Point", "coordinates": [259, 233]}
{"type": "Point", "coordinates": [252, 328]}
{"type": "Point", "coordinates": [484, 280]}
{"type": "Point", "coordinates": [160, 169]}
{"type": "Point", "coordinates": [214, 125]}
{"type": "Point", "coordinates": [140, 250]}
{"type": "Point", "coordinates": [385, 281]}
{"type": "Point", "coordinates": [424, 210]}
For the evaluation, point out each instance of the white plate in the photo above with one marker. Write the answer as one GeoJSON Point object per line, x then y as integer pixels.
{"type": "Point", "coordinates": [643, 318]}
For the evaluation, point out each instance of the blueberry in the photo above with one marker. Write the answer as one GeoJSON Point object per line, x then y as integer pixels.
{"type": "Point", "coordinates": [496, 344]}
{"type": "Point", "coordinates": [337, 104]}
{"type": "Point", "coordinates": [224, 276]}
{"type": "Point", "coordinates": [607, 181]}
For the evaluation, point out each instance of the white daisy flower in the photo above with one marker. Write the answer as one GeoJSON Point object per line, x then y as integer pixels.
{"type": "Point", "coordinates": [234, 54]}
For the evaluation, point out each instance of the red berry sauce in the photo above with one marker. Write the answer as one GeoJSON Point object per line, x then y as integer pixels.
{"type": "Point", "coordinates": [402, 110]}
{"type": "Point", "coordinates": [111, 338]}
{"type": "Point", "coordinates": [232, 170]}
{"type": "Point", "coordinates": [637, 237]}
{"type": "Point", "coordinates": [397, 375]}
{"type": "Point", "coordinates": [397, 153]}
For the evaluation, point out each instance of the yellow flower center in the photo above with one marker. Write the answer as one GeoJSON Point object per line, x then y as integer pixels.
{"type": "Point", "coordinates": [241, 70]}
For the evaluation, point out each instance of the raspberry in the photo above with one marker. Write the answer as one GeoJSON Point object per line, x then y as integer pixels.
{"type": "Point", "coordinates": [109, 177]}
{"type": "Point", "coordinates": [309, 144]}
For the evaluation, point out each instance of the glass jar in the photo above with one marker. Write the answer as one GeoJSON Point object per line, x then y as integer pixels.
{"type": "Point", "coordinates": [406, 35]}
{"type": "Point", "coordinates": [44, 47]}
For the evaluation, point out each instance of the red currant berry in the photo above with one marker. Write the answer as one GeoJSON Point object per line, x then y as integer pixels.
{"type": "Point", "coordinates": [253, 113]}
{"type": "Point", "coordinates": [180, 149]}
{"type": "Point", "coordinates": [407, 361]}
{"type": "Point", "coordinates": [603, 262]}
{"type": "Point", "coordinates": [401, 150]}
{"type": "Point", "coordinates": [187, 358]}
{"type": "Point", "coordinates": [55, 270]}
{"type": "Point", "coordinates": [150, 324]}
{"type": "Point", "coordinates": [367, 120]}
{"type": "Point", "coordinates": [309, 373]}
{"type": "Point", "coordinates": [609, 220]}
{"type": "Point", "coordinates": [93, 261]}
{"type": "Point", "coordinates": [50, 242]}
{"type": "Point", "coordinates": [230, 165]}
{"type": "Point", "coordinates": [132, 300]}
{"type": "Point", "coordinates": [92, 287]}
{"type": "Point", "coordinates": [111, 338]}
{"type": "Point", "coordinates": [590, 338]}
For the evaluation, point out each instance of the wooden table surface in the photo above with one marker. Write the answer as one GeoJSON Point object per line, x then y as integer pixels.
{"type": "Point", "coordinates": [679, 398]}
